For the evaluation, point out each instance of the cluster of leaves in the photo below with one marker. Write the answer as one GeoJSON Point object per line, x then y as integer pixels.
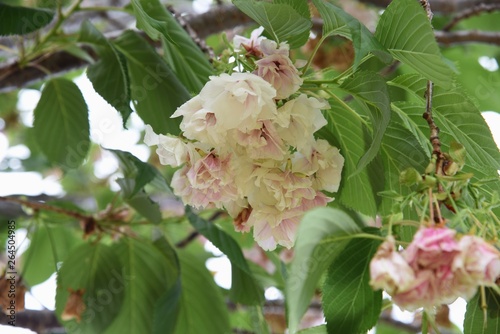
{"type": "Point", "coordinates": [141, 283]}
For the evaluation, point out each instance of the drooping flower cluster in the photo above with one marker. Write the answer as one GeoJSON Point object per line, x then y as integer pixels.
{"type": "Point", "coordinates": [248, 146]}
{"type": "Point", "coordinates": [436, 268]}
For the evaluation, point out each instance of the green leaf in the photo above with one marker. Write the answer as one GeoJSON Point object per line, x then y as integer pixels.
{"type": "Point", "coordinates": [400, 150]}
{"type": "Point", "coordinates": [149, 276]}
{"type": "Point", "coordinates": [371, 88]}
{"type": "Point", "coordinates": [475, 321]}
{"type": "Point", "coordinates": [349, 302]}
{"type": "Point", "coordinates": [109, 75]}
{"type": "Point", "coordinates": [133, 168]}
{"type": "Point", "coordinates": [137, 174]}
{"type": "Point", "coordinates": [203, 309]}
{"type": "Point", "coordinates": [459, 120]}
{"type": "Point", "coordinates": [313, 256]}
{"type": "Point", "coordinates": [15, 20]}
{"type": "Point", "coordinates": [141, 202]}
{"type": "Point", "coordinates": [282, 21]}
{"type": "Point", "coordinates": [156, 91]}
{"type": "Point", "coordinates": [405, 30]}
{"type": "Point", "coordinates": [245, 289]}
{"type": "Point", "coordinates": [301, 7]}
{"type": "Point", "coordinates": [337, 22]}
{"type": "Point", "coordinates": [345, 128]}
{"type": "Point", "coordinates": [61, 123]}
{"type": "Point", "coordinates": [181, 52]}
{"type": "Point", "coordinates": [97, 270]}
{"type": "Point", "coordinates": [49, 245]}
{"type": "Point", "coordinates": [167, 308]}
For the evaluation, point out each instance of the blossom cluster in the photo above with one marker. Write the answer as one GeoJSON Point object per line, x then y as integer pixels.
{"type": "Point", "coordinates": [436, 268]}
{"type": "Point", "coordinates": [248, 146]}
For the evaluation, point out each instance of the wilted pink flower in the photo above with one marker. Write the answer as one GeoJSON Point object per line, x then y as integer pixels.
{"type": "Point", "coordinates": [477, 262]}
{"type": "Point", "coordinates": [432, 247]}
{"type": "Point", "coordinates": [389, 270]}
{"type": "Point", "coordinates": [421, 293]}
{"type": "Point", "coordinates": [444, 268]}
{"type": "Point", "coordinates": [280, 72]}
{"type": "Point", "coordinates": [206, 182]}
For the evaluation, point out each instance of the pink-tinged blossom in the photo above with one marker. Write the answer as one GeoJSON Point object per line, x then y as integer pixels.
{"type": "Point", "coordinates": [250, 45]}
{"type": "Point", "coordinates": [199, 123]}
{"type": "Point", "coordinates": [432, 247]}
{"type": "Point", "coordinates": [227, 102]}
{"type": "Point", "coordinates": [171, 150]}
{"type": "Point", "coordinates": [207, 182]}
{"type": "Point", "coordinates": [478, 261]}
{"type": "Point", "coordinates": [279, 200]}
{"type": "Point", "coordinates": [299, 119]}
{"type": "Point", "coordinates": [280, 72]}
{"type": "Point", "coordinates": [389, 270]}
{"type": "Point", "coordinates": [270, 47]}
{"type": "Point", "coordinates": [324, 162]}
{"type": "Point", "coordinates": [278, 189]}
{"type": "Point", "coordinates": [238, 101]}
{"type": "Point", "coordinates": [269, 237]}
{"type": "Point", "coordinates": [272, 227]}
{"type": "Point", "coordinates": [263, 143]}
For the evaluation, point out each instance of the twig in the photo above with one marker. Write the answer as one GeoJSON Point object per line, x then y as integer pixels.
{"type": "Point", "coordinates": [440, 6]}
{"type": "Point", "coordinates": [47, 207]}
{"type": "Point", "coordinates": [427, 7]}
{"type": "Point", "coordinates": [187, 240]}
{"type": "Point", "coordinates": [470, 36]}
{"type": "Point", "coordinates": [192, 33]}
{"type": "Point", "coordinates": [476, 10]}
{"type": "Point", "coordinates": [193, 235]}
{"type": "Point", "coordinates": [435, 212]}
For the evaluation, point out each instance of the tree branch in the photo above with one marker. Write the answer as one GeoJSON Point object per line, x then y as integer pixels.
{"type": "Point", "coordinates": [218, 19]}
{"type": "Point", "coordinates": [441, 6]}
{"type": "Point", "coordinates": [46, 321]}
{"type": "Point", "coordinates": [469, 36]}
{"type": "Point", "coordinates": [470, 12]}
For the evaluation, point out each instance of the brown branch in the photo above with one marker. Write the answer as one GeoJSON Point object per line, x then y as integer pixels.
{"type": "Point", "coordinates": [46, 321]}
{"type": "Point", "coordinates": [214, 21]}
{"type": "Point", "coordinates": [440, 6]}
{"type": "Point", "coordinates": [42, 206]}
{"type": "Point", "coordinates": [38, 321]}
{"type": "Point", "coordinates": [469, 36]}
{"type": "Point", "coordinates": [435, 213]}
{"type": "Point", "coordinates": [474, 11]}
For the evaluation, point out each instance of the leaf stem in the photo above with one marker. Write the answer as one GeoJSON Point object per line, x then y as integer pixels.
{"type": "Point", "coordinates": [345, 105]}
{"type": "Point", "coordinates": [61, 17]}
{"type": "Point", "coordinates": [313, 54]}
{"type": "Point", "coordinates": [353, 236]}
{"type": "Point", "coordinates": [104, 9]}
